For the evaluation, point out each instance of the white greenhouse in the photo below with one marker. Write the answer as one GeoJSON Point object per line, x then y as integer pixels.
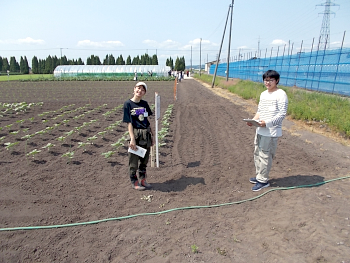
{"type": "Point", "coordinates": [110, 70]}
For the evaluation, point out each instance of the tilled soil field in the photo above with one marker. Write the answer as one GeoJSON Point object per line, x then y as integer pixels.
{"type": "Point", "coordinates": [201, 207]}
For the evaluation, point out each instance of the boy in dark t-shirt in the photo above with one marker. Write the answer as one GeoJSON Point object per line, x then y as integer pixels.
{"type": "Point", "coordinates": [136, 113]}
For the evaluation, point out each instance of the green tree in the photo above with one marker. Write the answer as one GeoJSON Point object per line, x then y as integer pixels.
{"type": "Point", "coordinates": [177, 64]}
{"type": "Point", "coordinates": [55, 62]}
{"type": "Point", "coordinates": [93, 60]}
{"type": "Point", "coordinates": [0, 63]}
{"type": "Point", "coordinates": [120, 60]}
{"type": "Point", "coordinates": [5, 64]}
{"type": "Point", "coordinates": [23, 65]}
{"type": "Point", "coordinates": [170, 63]}
{"type": "Point", "coordinates": [80, 62]}
{"type": "Point", "coordinates": [136, 60]}
{"type": "Point", "coordinates": [105, 61]}
{"type": "Point", "coordinates": [14, 66]}
{"type": "Point", "coordinates": [64, 60]}
{"type": "Point", "coordinates": [128, 60]}
{"type": "Point", "coordinates": [41, 66]}
{"type": "Point", "coordinates": [35, 65]}
{"type": "Point", "coordinates": [97, 60]}
{"type": "Point", "coordinates": [182, 63]}
{"type": "Point", "coordinates": [26, 65]}
{"type": "Point", "coordinates": [111, 60]}
{"type": "Point", "coordinates": [154, 60]}
{"type": "Point", "coordinates": [48, 65]}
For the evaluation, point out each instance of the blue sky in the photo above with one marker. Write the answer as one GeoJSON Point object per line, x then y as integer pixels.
{"type": "Point", "coordinates": [79, 28]}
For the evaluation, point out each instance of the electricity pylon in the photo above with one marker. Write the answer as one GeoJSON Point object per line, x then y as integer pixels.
{"type": "Point", "coordinates": [325, 28]}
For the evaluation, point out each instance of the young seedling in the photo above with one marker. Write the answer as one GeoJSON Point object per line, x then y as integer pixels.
{"type": "Point", "coordinates": [40, 132]}
{"type": "Point", "coordinates": [33, 153]}
{"type": "Point", "coordinates": [83, 144]}
{"type": "Point", "coordinates": [92, 138]}
{"type": "Point", "coordinates": [9, 144]}
{"type": "Point", "coordinates": [69, 133]}
{"type": "Point", "coordinates": [61, 139]}
{"type": "Point", "coordinates": [69, 155]}
{"type": "Point", "coordinates": [48, 146]}
{"type": "Point", "coordinates": [108, 154]}
{"type": "Point", "coordinates": [102, 133]}
{"type": "Point", "coordinates": [194, 249]}
{"type": "Point", "coordinates": [28, 136]}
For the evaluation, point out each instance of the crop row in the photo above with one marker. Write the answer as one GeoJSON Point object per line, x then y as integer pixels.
{"type": "Point", "coordinates": [76, 129]}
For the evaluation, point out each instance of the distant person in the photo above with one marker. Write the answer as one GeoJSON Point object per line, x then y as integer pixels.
{"type": "Point", "coordinates": [136, 113]}
{"type": "Point", "coordinates": [272, 109]}
{"type": "Point", "coordinates": [187, 73]}
{"type": "Point", "coordinates": [135, 76]}
{"type": "Point", "coordinates": [179, 76]}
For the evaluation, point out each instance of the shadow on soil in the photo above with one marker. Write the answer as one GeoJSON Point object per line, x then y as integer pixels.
{"type": "Point", "coordinates": [177, 185]}
{"type": "Point", "coordinates": [296, 180]}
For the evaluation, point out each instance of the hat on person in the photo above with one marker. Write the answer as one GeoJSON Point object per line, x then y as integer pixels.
{"type": "Point", "coordinates": [141, 84]}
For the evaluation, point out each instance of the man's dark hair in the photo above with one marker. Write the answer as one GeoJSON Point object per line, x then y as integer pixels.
{"type": "Point", "coordinates": [272, 74]}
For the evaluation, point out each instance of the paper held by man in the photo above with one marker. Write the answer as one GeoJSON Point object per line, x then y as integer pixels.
{"type": "Point", "coordinates": [140, 151]}
{"type": "Point", "coordinates": [254, 122]}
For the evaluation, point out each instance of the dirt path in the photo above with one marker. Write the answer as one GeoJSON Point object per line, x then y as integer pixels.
{"type": "Point", "coordinates": [207, 161]}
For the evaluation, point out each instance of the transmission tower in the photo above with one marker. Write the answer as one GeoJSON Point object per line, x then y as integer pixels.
{"type": "Point", "coordinates": [325, 28]}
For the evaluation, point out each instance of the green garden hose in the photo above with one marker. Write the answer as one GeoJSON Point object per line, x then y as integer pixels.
{"type": "Point", "coordinates": [170, 210]}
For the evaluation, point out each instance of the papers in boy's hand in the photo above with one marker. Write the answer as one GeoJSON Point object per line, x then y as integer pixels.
{"type": "Point", "coordinates": [254, 122]}
{"type": "Point", "coordinates": [140, 151]}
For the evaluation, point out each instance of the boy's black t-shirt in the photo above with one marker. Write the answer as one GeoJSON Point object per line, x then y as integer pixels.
{"type": "Point", "coordinates": [137, 114]}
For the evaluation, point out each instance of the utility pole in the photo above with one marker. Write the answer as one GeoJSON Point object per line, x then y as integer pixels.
{"type": "Point", "coordinates": [229, 44]}
{"type": "Point", "coordinates": [200, 57]}
{"type": "Point", "coordinates": [191, 59]}
{"type": "Point", "coordinates": [325, 28]}
{"type": "Point", "coordinates": [222, 40]}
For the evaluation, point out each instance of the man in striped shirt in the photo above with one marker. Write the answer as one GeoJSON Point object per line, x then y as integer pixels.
{"type": "Point", "coordinates": [272, 109]}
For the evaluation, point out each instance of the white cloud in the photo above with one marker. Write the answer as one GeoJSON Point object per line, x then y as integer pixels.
{"type": "Point", "coordinates": [102, 44]}
{"type": "Point", "coordinates": [205, 44]}
{"type": "Point", "coordinates": [23, 41]}
{"type": "Point", "coordinates": [278, 42]}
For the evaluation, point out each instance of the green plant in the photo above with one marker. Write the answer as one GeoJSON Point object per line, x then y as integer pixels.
{"type": "Point", "coordinates": [61, 139]}
{"type": "Point", "coordinates": [9, 144]}
{"type": "Point", "coordinates": [33, 153]}
{"type": "Point", "coordinates": [68, 155]}
{"type": "Point", "coordinates": [48, 146]}
{"type": "Point", "coordinates": [92, 138]}
{"type": "Point", "coordinates": [108, 154]}
{"type": "Point", "coordinates": [194, 249]}
{"type": "Point", "coordinates": [83, 144]}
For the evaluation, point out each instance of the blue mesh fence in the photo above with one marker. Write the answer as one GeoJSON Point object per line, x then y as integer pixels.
{"type": "Point", "coordinates": [321, 70]}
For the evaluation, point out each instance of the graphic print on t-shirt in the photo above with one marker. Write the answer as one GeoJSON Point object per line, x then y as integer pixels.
{"type": "Point", "coordinates": [141, 113]}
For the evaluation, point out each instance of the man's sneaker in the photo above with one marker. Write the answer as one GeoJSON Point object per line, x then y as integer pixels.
{"type": "Point", "coordinates": [253, 180]}
{"type": "Point", "coordinates": [137, 186]}
{"type": "Point", "coordinates": [258, 186]}
{"type": "Point", "coordinates": [145, 184]}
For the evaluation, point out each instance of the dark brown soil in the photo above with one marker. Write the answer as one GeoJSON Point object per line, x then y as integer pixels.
{"type": "Point", "coordinates": [202, 189]}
